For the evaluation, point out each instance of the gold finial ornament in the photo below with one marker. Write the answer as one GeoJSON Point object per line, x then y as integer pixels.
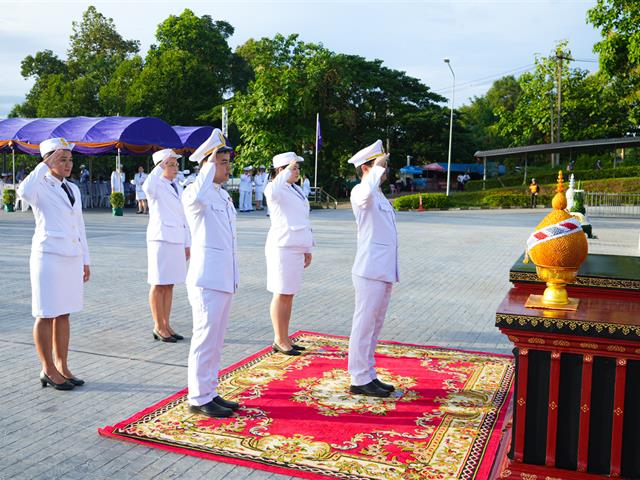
{"type": "Point", "coordinates": [557, 247]}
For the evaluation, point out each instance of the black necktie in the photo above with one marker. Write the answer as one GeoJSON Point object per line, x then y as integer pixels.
{"type": "Point", "coordinates": [69, 193]}
{"type": "Point", "coordinates": [174, 187]}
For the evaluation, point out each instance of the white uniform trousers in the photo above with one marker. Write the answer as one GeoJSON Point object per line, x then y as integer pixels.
{"type": "Point", "coordinates": [245, 201]}
{"type": "Point", "coordinates": [210, 318]}
{"type": "Point", "coordinates": [372, 300]}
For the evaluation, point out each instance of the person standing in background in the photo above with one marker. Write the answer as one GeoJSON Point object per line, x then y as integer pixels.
{"type": "Point", "coordinates": [141, 197]}
{"type": "Point", "coordinates": [246, 189]}
{"type": "Point", "coordinates": [260, 180]}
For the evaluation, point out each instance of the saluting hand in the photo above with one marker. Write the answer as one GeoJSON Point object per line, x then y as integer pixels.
{"type": "Point", "coordinates": [86, 274]}
{"type": "Point", "coordinates": [382, 161]}
{"type": "Point", "coordinates": [307, 259]}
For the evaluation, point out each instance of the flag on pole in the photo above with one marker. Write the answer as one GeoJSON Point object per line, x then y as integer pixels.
{"type": "Point", "coordinates": [318, 133]}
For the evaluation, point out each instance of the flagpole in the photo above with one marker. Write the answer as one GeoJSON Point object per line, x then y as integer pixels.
{"type": "Point", "coordinates": [315, 172]}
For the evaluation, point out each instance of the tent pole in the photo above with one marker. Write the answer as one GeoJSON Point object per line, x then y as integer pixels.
{"type": "Point", "coordinates": [13, 157]}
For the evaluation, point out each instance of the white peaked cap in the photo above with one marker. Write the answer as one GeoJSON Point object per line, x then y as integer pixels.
{"type": "Point", "coordinates": [53, 144]}
{"type": "Point", "coordinates": [262, 167]}
{"type": "Point", "coordinates": [247, 168]}
{"type": "Point", "coordinates": [161, 155]}
{"type": "Point", "coordinates": [283, 159]}
{"type": "Point", "coordinates": [367, 154]}
{"type": "Point", "coordinates": [215, 140]}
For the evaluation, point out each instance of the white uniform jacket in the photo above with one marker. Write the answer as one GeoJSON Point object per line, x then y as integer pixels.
{"type": "Point", "coordinates": [167, 221]}
{"type": "Point", "coordinates": [246, 183]}
{"type": "Point", "coordinates": [260, 179]}
{"type": "Point", "coordinates": [212, 220]}
{"type": "Point", "coordinates": [377, 254]}
{"type": "Point", "coordinates": [59, 226]}
{"type": "Point", "coordinates": [117, 184]}
{"type": "Point", "coordinates": [289, 213]}
{"type": "Point", "coordinates": [139, 179]}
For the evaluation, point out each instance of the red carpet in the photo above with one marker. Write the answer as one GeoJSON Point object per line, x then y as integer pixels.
{"type": "Point", "coordinates": [443, 422]}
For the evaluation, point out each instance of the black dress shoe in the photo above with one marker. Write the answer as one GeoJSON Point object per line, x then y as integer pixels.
{"type": "Point", "coordinates": [76, 381]}
{"type": "Point", "coordinates": [211, 409]}
{"type": "Point", "coordinates": [45, 380]}
{"type": "Point", "coordinates": [297, 347]}
{"type": "Point", "coordinates": [177, 336]}
{"type": "Point", "coordinates": [293, 352]}
{"type": "Point", "coordinates": [169, 339]}
{"type": "Point", "coordinates": [370, 390]}
{"type": "Point", "coordinates": [385, 386]}
{"type": "Point", "coordinates": [226, 403]}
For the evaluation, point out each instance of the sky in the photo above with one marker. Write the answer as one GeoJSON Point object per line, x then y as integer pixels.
{"type": "Point", "coordinates": [484, 39]}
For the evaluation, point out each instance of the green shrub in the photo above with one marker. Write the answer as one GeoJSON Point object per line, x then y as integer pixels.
{"type": "Point", "coordinates": [429, 200]}
{"type": "Point", "coordinates": [513, 200]}
{"type": "Point", "coordinates": [116, 199]}
{"type": "Point", "coordinates": [9, 196]}
{"type": "Point", "coordinates": [578, 203]}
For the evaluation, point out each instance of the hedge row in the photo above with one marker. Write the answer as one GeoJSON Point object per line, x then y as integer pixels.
{"type": "Point", "coordinates": [591, 174]}
{"type": "Point", "coordinates": [429, 200]}
{"type": "Point", "coordinates": [514, 200]}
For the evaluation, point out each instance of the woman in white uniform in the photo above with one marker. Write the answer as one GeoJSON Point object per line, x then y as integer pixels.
{"type": "Point", "coordinates": [246, 190]}
{"type": "Point", "coordinates": [59, 260]}
{"type": "Point", "coordinates": [288, 246]}
{"type": "Point", "coordinates": [141, 198]}
{"type": "Point", "coordinates": [168, 241]}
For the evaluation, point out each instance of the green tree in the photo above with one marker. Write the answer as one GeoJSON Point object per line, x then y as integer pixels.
{"type": "Point", "coordinates": [72, 87]}
{"type": "Point", "coordinates": [188, 71]}
{"type": "Point", "coordinates": [480, 117]}
{"type": "Point", "coordinates": [358, 100]}
{"type": "Point", "coordinates": [619, 49]}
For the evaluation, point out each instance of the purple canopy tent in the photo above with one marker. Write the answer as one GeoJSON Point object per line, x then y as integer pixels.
{"type": "Point", "coordinates": [192, 137]}
{"type": "Point", "coordinates": [99, 135]}
{"type": "Point", "coordinates": [8, 130]}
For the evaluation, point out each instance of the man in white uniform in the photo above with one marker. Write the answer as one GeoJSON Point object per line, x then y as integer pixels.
{"type": "Point", "coordinates": [212, 277]}
{"type": "Point", "coordinates": [260, 180]}
{"type": "Point", "coordinates": [375, 268]}
{"type": "Point", "coordinates": [246, 190]}
{"type": "Point", "coordinates": [141, 197]}
{"type": "Point", "coordinates": [117, 180]}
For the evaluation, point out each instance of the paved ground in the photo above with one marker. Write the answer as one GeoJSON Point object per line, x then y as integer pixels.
{"type": "Point", "coordinates": [454, 273]}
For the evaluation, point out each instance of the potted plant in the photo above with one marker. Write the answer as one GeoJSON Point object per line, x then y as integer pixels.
{"type": "Point", "coordinates": [9, 199]}
{"type": "Point", "coordinates": [116, 199]}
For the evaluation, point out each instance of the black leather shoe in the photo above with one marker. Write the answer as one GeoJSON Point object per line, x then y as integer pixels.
{"type": "Point", "coordinates": [211, 409]}
{"type": "Point", "coordinates": [293, 352]}
{"type": "Point", "coordinates": [385, 386]}
{"type": "Point", "coordinates": [177, 336]}
{"type": "Point", "coordinates": [169, 339]}
{"type": "Point", "coordinates": [297, 347]}
{"type": "Point", "coordinates": [76, 381]}
{"type": "Point", "coordinates": [45, 380]}
{"type": "Point", "coordinates": [370, 390]}
{"type": "Point", "coordinates": [226, 403]}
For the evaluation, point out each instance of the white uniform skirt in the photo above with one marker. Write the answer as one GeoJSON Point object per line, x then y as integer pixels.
{"type": "Point", "coordinates": [284, 269]}
{"type": "Point", "coordinates": [140, 195]}
{"type": "Point", "coordinates": [167, 263]}
{"type": "Point", "coordinates": [56, 284]}
{"type": "Point", "coordinates": [259, 193]}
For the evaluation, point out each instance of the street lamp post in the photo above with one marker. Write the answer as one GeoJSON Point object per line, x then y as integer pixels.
{"type": "Point", "coordinates": [453, 93]}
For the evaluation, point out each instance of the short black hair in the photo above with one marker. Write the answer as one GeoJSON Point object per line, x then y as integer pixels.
{"type": "Point", "coordinates": [359, 167]}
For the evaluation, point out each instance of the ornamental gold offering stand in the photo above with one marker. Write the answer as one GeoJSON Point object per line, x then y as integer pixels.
{"type": "Point", "coordinates": [576, 408]}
